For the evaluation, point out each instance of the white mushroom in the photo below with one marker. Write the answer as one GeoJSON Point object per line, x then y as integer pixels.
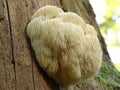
{"type": "Point", "coordinates": [66, 48]}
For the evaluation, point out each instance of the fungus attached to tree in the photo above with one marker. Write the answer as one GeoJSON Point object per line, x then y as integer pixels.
{"type": "Point", "coordinates": [66, 48]}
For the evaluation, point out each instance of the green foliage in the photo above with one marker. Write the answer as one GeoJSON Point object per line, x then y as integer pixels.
{"type": "Point", "coordinates": [117, 65]}
{"type": "Point", "coordinates": [112, 14]}
{"type": "Point", "coordinates": [83, 83]}
{"type": "Point", "coordinates": [111, 17]}
{"type": "Point", "coordinates": [112, 7]}
{"type": "Point", "coordinates": [108, 77]}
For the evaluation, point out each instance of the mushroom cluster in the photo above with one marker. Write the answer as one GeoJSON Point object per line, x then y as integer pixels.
{"type": "Point", "coordinates": [66, 47]}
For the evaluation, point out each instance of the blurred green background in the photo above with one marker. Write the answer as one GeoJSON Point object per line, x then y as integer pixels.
{"type": "Point", "coordinates": [108, 18]}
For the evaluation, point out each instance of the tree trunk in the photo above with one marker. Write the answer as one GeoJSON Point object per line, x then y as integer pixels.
{"type": "Point", "coordinates": [18, 67]}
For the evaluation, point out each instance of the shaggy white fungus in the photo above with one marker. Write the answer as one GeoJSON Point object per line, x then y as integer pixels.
{"type": "Point", "coordinates": [66, 48]}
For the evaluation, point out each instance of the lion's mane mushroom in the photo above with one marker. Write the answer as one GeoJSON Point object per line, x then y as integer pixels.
{"type": "Point", "coordinates": [66, 48]}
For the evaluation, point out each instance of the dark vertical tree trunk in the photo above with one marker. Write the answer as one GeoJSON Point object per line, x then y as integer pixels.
{"type": "Point", "coordinates": [18, 68]}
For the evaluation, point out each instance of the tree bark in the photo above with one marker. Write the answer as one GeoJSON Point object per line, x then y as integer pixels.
{"type": "Point", "coordinates": [18, 67]}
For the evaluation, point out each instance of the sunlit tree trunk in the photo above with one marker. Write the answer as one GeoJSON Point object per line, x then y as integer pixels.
{"type": "Point", "coordinates": [18, 67]}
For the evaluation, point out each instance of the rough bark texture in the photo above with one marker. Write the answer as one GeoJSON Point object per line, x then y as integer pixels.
{"type": "Point", "coordinates": [18, 67]}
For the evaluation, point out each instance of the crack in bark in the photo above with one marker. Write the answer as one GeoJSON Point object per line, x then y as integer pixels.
{"type": "Point", "coordinates": [13, 61]}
